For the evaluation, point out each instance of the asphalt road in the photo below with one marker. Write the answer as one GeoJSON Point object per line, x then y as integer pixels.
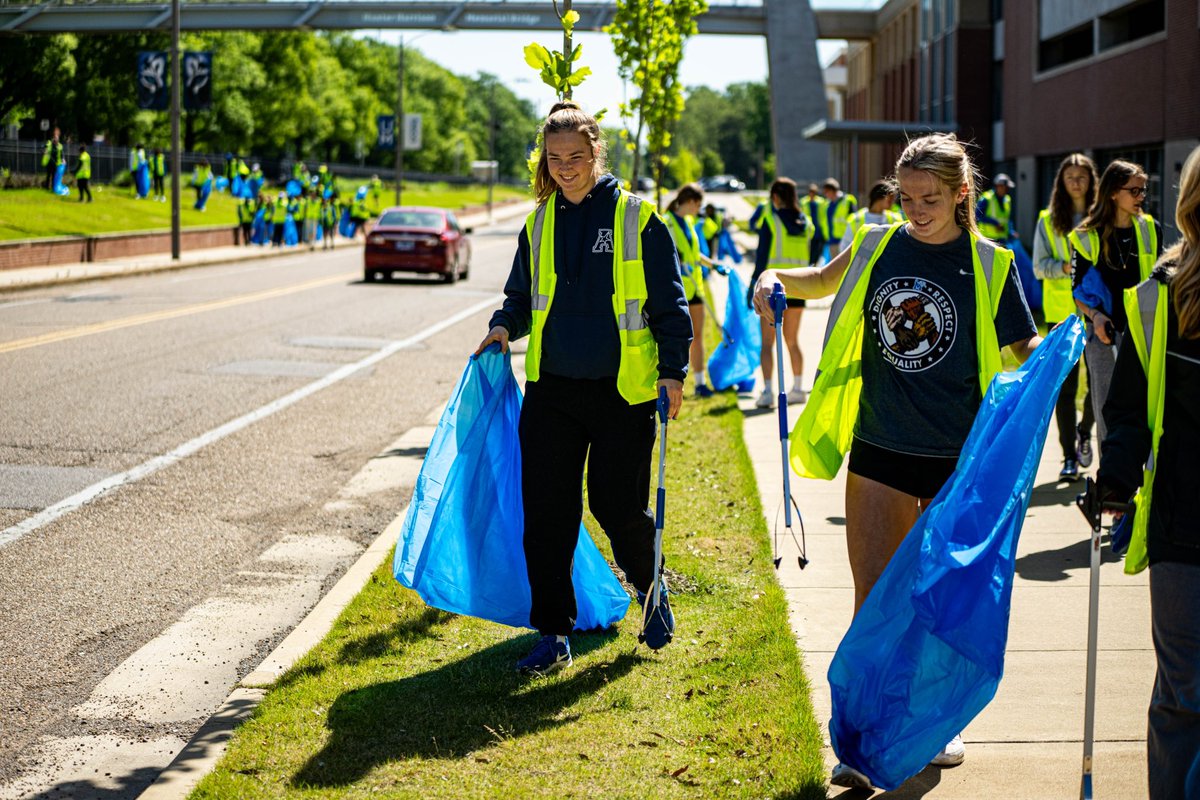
{"type": "Point", "coordinates": [101, 379]}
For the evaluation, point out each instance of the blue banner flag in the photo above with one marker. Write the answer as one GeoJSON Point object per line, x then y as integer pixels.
{"type": "Point", "coordinates": [925, 653]}
{"type": "Point", "coordinates": [385, 124]}
{"type": "Point", "coordinates": [152, 80]}
{"type": "Point", "coordinates": [197, 81]}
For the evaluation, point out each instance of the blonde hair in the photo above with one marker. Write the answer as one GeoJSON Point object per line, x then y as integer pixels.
{"type": "Point", "coordinates": [1185, 254]}
{"type": "Point", "coordinates": [1102, 216]}
{"type": "Point", "coordinates": [943, 156]}
{"type": "Point", "coordinates": [567, 117]}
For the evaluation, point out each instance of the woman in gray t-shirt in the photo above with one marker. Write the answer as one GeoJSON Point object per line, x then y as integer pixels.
{"type": "Point", "coordinates": [921, 362]}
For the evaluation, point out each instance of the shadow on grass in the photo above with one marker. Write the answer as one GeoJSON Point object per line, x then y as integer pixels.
{"type": "Point", "coordinates": [453, 710]}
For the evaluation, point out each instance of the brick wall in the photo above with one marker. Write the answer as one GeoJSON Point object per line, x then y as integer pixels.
{"type": "Point", "coordinates": [77, 249]}
{"type": "Point", "coordinates": [43, 252]}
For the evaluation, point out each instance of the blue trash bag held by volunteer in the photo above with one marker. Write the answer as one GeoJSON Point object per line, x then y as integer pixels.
{"type": "Point", "coordinates": [461, 545]}
{"type": "Point", "coordinates": [1093, 291]}
{"type": "Point", "coordinates": [925, 653]}
{"type": "Point", "coordinates": [737, 356]}
{"type": "Point", "coordinates": [259, 234]}
{"type": "Point", "coordinates": [59, 187]}
{"type": "Point", "coordinates": [291, 236]}
{"type": "Point", "coordinates": [1030, 285]}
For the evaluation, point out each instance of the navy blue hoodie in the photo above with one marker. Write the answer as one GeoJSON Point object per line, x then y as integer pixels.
{"type": "Point", "coordinates": [580, 339]}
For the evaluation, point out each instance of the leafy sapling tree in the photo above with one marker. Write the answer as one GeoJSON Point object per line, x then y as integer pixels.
{"type": "Point", "coordinates": [648, 38]}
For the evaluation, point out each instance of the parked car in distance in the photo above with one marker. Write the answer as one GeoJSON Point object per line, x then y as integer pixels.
{"type": "Point", "coordinates": [721, 183]}
{"type": "Point", "coordinates": [645, 184]}
{"type": "Point", "coordinates": [416, 239]}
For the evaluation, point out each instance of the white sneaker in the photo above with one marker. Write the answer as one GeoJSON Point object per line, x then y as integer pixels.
{"type": "Point", "coordinates": [849, 777]}
{"type": "Point", "coordinates": [797, 395]}
{"type": "Point", "coordinates": [765, 400]}
{"type": "Point", "coordinates": [952, 754]}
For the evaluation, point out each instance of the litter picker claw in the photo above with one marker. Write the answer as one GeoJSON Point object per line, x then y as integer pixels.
{"type": "Point", "coordinates": [653, 596]}
{"type": "Point", "coordinates": [778, 306]}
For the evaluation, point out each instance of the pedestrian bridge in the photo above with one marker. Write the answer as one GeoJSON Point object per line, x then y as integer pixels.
{"type": "Point", "coordinates": [791, 28]}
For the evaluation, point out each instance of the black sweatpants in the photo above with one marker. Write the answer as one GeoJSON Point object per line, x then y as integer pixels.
{"type": "Point", "coordinates": [82, 184]}
{"type": "Point", "coordinates": [566, 422]}
{"type": "Point", "coordinates": [1065, 414]}
{"type": "Point", "coordinates": [158, 186]}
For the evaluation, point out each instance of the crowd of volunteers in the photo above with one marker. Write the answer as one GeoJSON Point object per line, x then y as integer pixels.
{"type": "Point", "coordinates": [925, 296]}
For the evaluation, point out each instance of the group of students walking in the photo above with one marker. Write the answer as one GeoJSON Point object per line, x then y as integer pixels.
{"type": "Point", "coordinates": [612, 297]}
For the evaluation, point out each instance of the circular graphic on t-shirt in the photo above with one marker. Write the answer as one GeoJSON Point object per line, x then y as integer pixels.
{"type": "Point", "coordinates": [915, 323]}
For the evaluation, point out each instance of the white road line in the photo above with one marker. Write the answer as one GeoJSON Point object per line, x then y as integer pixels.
{"type": "Point", "coordinates": [23, 303]}
{"type": "Point", "coordinates": [82, 498]}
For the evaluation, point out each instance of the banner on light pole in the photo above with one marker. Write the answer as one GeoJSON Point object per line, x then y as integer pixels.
{"type": "Point", "coordinates": [152, 80]}
{"type": "Point", "coordinates": [385, 124]}
{"type": "Point", "coordinates": [412, 131]}
{"type": "Point", "coordinates": [197, 81]}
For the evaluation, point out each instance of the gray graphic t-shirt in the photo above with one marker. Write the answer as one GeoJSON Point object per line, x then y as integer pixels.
{"type": "Point", "coordinates": [920, 369]}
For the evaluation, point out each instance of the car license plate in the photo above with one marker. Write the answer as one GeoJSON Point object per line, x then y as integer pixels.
{"type": "Point", "coordinates": [405, 244]}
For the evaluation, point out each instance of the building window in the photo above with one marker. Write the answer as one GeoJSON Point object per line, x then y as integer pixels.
{"type": "Point", "coordinates": [1149, 158]}
{"type": "Point", "coordinates": [1074, 45]}
{"type": "Point", "coordinates": [1131, 23]}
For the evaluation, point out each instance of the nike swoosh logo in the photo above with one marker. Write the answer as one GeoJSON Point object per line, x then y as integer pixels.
{"type": "Point", "coordinates": [963, 272]}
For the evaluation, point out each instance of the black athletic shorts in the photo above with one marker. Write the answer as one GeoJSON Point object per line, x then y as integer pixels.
{"type": "Point", "coordinates": [912, 473]}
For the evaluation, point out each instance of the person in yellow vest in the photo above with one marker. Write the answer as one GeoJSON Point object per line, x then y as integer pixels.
{"type": "Point", "coordinates": [1120, 244]}
{"type": "Point", "coordinates": [596, 287]}
{"type": "Point", "coordinates": [1074, 191]}
{"type": "Point", "coordinates": [877, 212]}
{"type": "Point", "coordinates": [711, 228]}
{"type": "Point", "coordinates": [784, 239]}
{"type": "Point", "coordinates": [1155, 389]}
{"type": "Point", "coordinates": [838, 208]}
{"type": "Point", "coordinates": [52, 156]}
{"type": "Point", "coordinates": [376, 191]}
{"type": "Point", "coordinates": [921, 312]}
{"type": "Point", "coordinates": [681, 222]}
{"type": "Point", "coordinates": [994, 211]}
{"type": "Point", "coordinates": [312, 217]}
{"type": "Point", "coordinates": [83, 173]}
{"type": "Point", "coordinates": [158, 175]}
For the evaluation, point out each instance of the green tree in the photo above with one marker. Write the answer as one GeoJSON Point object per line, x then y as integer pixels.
{"type": "Point", "coordinates": [648, 38]}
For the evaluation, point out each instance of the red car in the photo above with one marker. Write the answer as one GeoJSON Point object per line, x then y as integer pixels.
{"type": "Point", "coordinates": [414, 239]}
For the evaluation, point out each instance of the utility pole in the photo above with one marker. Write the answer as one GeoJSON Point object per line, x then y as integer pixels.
{"type": "Point", "coordinates": [492, 147]}
{"type": "Point", "coordinates": [399, 127]}
{"type": "Point", "coordinates": [567, 46]}
{"type": "Point", "coordinates": [176, 160]}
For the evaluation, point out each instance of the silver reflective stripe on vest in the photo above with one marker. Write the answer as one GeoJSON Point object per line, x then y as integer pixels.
{"type": "Point", "coordinates": [854, 272]}
{"type": "Point", "coordinates": [633, 205]}
{"type": "Point", "coordinates": [1085, 245]}
{"type": "Point", "coordinates": [538, 302]}
{"type": "Point", "coordinates": [1147, 297]}
{"type": "Point", "coordinates": [987, 259]}
{"type": "Point", "coordinates": [632, 319]}
{"type": "Point", "coordinates": [1144, 228]}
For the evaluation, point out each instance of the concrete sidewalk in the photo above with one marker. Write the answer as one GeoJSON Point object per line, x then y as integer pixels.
{"type": "Point", "coordinates": [34, 277]}
{"type": "Point", "coordinates": [1028, 743]}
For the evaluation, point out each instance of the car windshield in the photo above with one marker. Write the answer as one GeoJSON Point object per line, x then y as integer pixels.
{"type": "Point", "coordinates": [411, 219]}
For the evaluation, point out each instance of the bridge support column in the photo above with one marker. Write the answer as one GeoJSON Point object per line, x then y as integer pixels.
{"type": "Point", "coordinates": [797, 90]}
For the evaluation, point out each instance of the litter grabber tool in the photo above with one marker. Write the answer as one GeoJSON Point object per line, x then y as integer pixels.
{"type": "Point", "coordinates": [1093, 506]}
{"type": "Point", "coordinates": [778, 306]}
{"type": "Point", "coordinates": [652, 605]}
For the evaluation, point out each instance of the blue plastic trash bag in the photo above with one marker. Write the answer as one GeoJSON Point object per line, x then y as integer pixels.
{"type": "Point", "coordinates": [293, 188]}
{"type": "Point", "coordinates": [58, 187]}
{"type": "Point", "coordinates": [460, 548]}
{"type": "Point", "coordinates": [291, 236]}
{"type": "Point", "coordinates": [746, 386]}
{"type": "Point", "coordinates": [1121, 533]}
{"type": "Point", "coordinates": [236, 186]}
{"type": "Point", "coordinates": [258, 228]}
{"type": "Point", "coordinates": [698, 231]}
{"type": "Point", "coordinates": [737, 356]}
{"type": "Point", "coordinates": [726, 248]}
{"type": "Point", "coordinates": [222, 183]}
{"type": "Point", "coordinates": [346, 226]}
{"type": "Point", "coordinates": [253, 187]}
{"type": "Point", "coordinates": [1092, 291]}
{"type": "Point", "coordinates": [141, 180]}
{"type": "Point", "coordinates": [1030, 285]}
{"type": "Point", "coordinates": [925, 653]}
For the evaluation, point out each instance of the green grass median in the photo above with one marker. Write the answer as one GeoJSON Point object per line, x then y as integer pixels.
{"type": "Point", "coordinates": [36, 213]}
{"type": "Point", "coordinates": [404, 700]}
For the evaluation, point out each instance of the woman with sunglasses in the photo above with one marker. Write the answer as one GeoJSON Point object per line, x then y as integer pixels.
{"type": "Point", "coordinates": [1120, 244]}
{"type": "Point", "coordinates": [1074, 192]}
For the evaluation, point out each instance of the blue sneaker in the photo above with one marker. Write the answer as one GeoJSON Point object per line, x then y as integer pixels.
{"type": "Point", "coordinates": [703, 390]}
{"type": "Point", "coordinates": [548, 655]}
{"type": "Point", "coordinates": [659, 626]}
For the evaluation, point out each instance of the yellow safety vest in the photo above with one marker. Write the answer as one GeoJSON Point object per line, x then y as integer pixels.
{"type": "Point", "coordinates": [85, 167]}
{"type": "Point", "coordinates": [841, 214]}
{"type": "Point", "coordinates": [859, 218]}
{"type": "Point", "coordinates": [1057, 302]}
{"type": "Point", "coordinates": [825, 430]}
{"type": "Point", "coordinates": [1147, 243]}
{"type": "Point", "coordinates": [637, 377]}
{"type": "Point", "coordinates": [1146, 306]}
{"type": "Point", "coordinates": [689, 255]}
{"type": "Point", "coordinates": [787, 251]}
{"type": "Point", "coordinates": [999, 210]}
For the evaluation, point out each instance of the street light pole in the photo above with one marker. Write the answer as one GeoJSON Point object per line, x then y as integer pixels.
{"type": "Point", "coordinates": [176, 160]}
{"type": "Point", "coordinates": [492, 148]}
{"type": "Point", "coordinates": [398, 130]}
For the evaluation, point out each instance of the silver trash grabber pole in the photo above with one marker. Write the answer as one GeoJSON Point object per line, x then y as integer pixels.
{"type": "Point", "coordinates": [660, 508]}
{"type": "Point", "coordinates": [778, 306]}
{"type": "Point", "coordinates": [1093, 507]}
